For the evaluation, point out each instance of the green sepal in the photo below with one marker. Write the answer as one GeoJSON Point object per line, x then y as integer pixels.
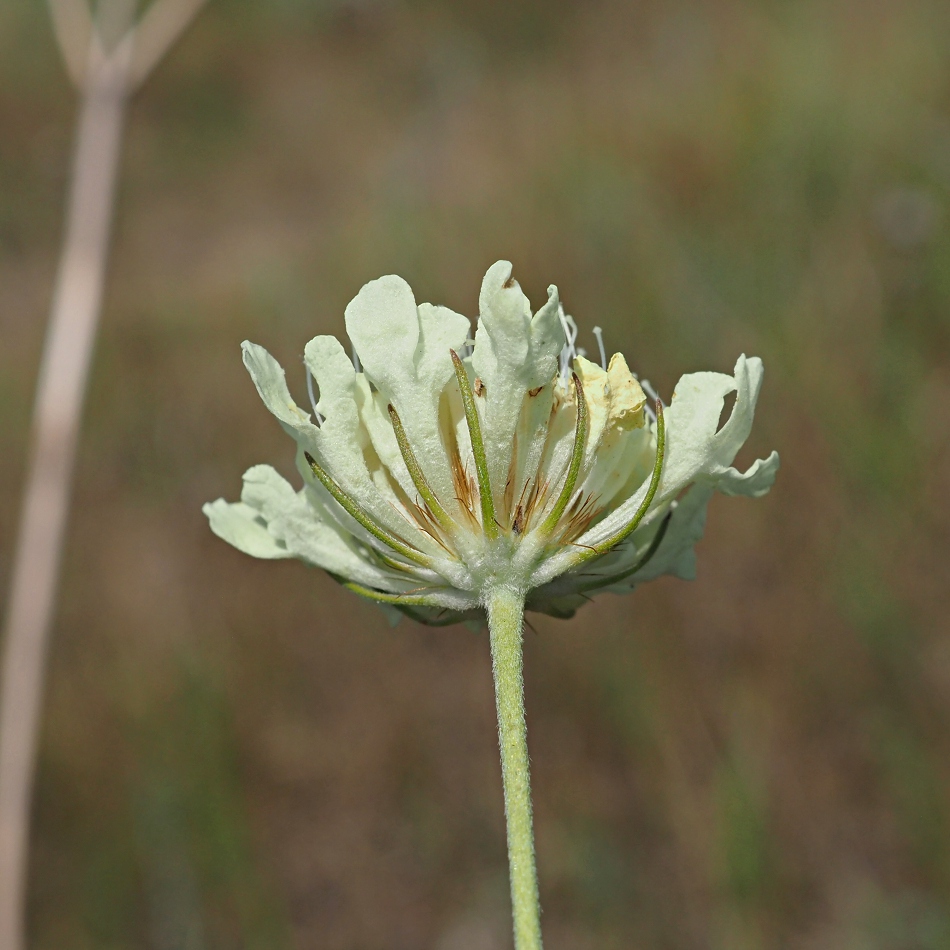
{"type": "Point", "coordinates": [349, 504]}
{"type": "Point", "coordinates": [489, 525]}
{"type": "Point", "coordinates": [640, 563]}
{"type": "Point", "coordinates": [381, 597]}
{"type": "Point", "coordinates": [577, 457]}
{"type": "Point", "coordinates": [417, 475]}
{"type": "Point", "coordinates": [443, 618]}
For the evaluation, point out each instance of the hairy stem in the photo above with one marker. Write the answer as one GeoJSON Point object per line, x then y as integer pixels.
{"type": "Point", "coordinates": [505, 620]}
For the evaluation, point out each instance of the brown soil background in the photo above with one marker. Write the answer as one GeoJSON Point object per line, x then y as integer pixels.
{"type": "Point", "coordinates": [240, 754]}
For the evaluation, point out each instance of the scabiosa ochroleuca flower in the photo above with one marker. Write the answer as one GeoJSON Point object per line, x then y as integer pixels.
{"type": "Point", "coordinates": [453, 479]}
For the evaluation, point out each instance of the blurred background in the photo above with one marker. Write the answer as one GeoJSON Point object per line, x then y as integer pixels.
{"type": "Point", "coordinates": [241, 755]}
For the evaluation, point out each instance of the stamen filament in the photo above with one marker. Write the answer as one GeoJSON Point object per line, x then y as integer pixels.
{"type": "Point", "coordinates": [600, 344]}
{"type": "Point", "coordinates": [349, 504]}
{"type": "Point", "coordinates": [489, 525]}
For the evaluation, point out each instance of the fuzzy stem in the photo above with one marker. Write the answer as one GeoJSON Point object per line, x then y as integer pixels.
{"type": "Point", "coordinates": [505, 618]}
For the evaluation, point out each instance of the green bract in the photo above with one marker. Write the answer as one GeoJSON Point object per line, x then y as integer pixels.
{"type": "Point", "coordinates": [439, 470]}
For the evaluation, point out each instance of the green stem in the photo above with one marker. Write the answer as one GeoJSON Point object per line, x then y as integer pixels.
{"type": "Point", "coordinates": [505, 619]}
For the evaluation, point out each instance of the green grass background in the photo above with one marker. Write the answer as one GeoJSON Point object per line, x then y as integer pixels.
{"type": "Point", "coordinates": [241, 755]}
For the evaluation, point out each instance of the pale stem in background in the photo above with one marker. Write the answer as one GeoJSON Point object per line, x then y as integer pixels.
{"type": "Point", "coordinates": [105, 79]}
{"type": "Point", "coordinates": [505, 622]}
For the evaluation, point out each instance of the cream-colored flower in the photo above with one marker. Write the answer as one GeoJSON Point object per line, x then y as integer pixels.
{"type": "Point", "coordinates": [437, 470]}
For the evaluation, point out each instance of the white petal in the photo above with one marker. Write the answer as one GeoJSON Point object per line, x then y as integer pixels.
{"type": "Point", "coordinates": [753, 483]}
{"type": "Point", "coordinates": [418, 401]}
{"type": "Point", "coordinates": [530, 438]}
{"type": "Point", "coordinates": [383, 322]}
{"type": "Point", "coordinates": [556, 455]}
{"type": "Point", "coordinates": [294, 522]}
{"type": "Point", "coordinates": [614, 402]}
{"type": "Point", "coordinates": [625, 460]}
{"type": "Point", "coordinates": [268, 376]}
{"type": "Point", "coordinates": [691, 422]}
{"type": "Point", "coordinates": [514, 353]}
{"type": "Point", "coordinates": [341, 441]}
{"type": "Point", "coordinates": [694, 448]}
{"type": "Point", "coordinates": [748, 382]}
{"type": "Point", "coordinates": [676, 555]}
{"type": "Point", "coordinates": [374, 416]}
{"type": "Point", "coordinates": [405, 352]}
{"type": "Point", "coordinates": [627, 397]}
{"type": "Point", "coordinates": [242, 527]}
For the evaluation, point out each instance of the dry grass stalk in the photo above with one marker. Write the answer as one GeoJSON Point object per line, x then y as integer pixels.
{"type": "Point", "coordinates": [105, 79]}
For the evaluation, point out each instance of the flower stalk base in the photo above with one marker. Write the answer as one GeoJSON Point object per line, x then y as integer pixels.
{"type": "Point", "coordinates": [505, 608]}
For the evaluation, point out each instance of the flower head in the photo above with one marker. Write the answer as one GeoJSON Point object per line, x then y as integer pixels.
{"type": "Point", "coordinates": [437, 469]}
